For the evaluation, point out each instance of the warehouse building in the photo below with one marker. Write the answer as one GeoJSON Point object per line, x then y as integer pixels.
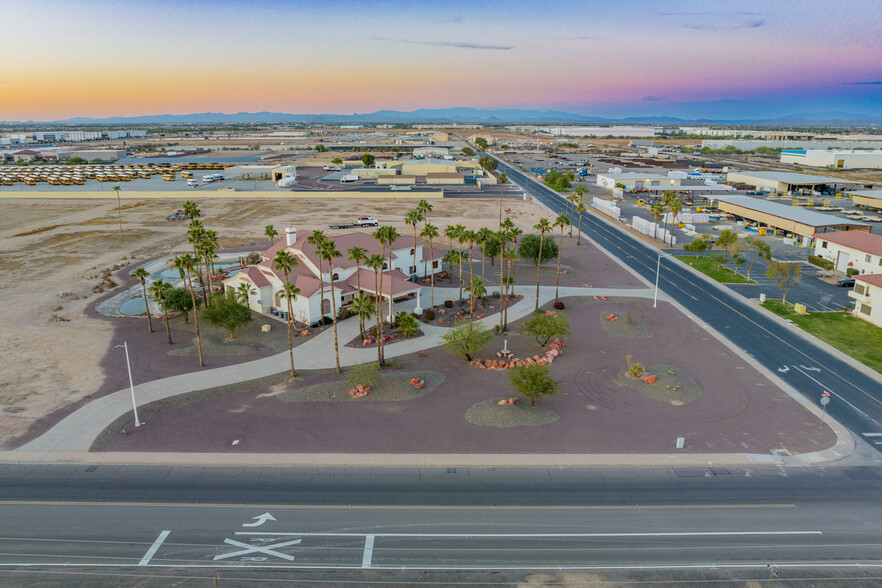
{"type": "Point", "coordinates": [868, 198]}
{"type": "Point", "coordinates": [635, 180]}
{"type": "Point", "coordinates": [422, 167]}
{"type": "Point", "coordinates": [788, 221]}
{"type": "Point", "coordinates": [441, 178]}
{"type": "Point", "coordinates": [786, 182]}
{"type": "Point", "coordinates": [833, 159]}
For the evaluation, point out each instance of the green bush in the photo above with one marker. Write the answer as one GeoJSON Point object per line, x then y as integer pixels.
{"type": "Point", "coordinates": [430, 315]}
{"type": "Point", "coordinates": [366, 374]}
{"type": "Point", "coordinates": [820, 262]}
{"type": "Point", "coordinates": [851, 272]}
{"type": "Point", "coordinates": [448, 304]}
{"type": "Point", "coordinates": [636, 370]}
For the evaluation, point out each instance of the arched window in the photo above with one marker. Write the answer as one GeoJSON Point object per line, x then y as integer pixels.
{"type": "Point", "coordinates": [385, 265]}
{"type": "Point", "coordinates": [335, 277]}
{"type": "Point", "coordinates": [326, 306]}
{"type": "Point", "coordinates": [413, 251]}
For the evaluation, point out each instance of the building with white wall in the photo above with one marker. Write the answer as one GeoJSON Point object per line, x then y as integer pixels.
{"type": "Point", "coordinates": [867, 294]}
{"type": "Point", "coordinates": [635, 180]}
{"type": "Point", "coordinates": [839, 159]}
{"type": "Point", "coordinates": [857, 250]}
{"type": "Point", "coordinates": [349, 280]}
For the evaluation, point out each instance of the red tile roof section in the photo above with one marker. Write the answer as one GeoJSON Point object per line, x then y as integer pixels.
{"type": "Point", "coordinates": [860, 240]}
{"type": "Point", "coordinates": [872, 279]}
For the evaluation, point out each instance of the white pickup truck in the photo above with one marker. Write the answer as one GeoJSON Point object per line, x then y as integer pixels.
{"type": "Point", "coordinates": [365, 221]}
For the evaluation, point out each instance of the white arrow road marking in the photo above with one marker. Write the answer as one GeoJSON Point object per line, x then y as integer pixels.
{"type": "Point", "coordinates": [811, 369]}
{"type": "Point", "coordinates": [260, 520]}
{"type": "Point", "coordinates": [784, 369]}
{"type": "Point", "coordinates": [265, 549]}
{"type": "Point", "coordinates": [153, 549]}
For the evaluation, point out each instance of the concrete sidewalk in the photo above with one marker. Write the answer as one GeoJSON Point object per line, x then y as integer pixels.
{"type": "Point", "coordinates": [77, 431]}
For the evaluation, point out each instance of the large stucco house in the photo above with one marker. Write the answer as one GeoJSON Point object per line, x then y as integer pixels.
{"type": "Point", "coordinates": [308, 306]}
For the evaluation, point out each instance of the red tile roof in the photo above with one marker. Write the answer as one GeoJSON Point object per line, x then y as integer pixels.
{"type": "Point", "coordinates": [399, 283]}
{"type": "Point", "coordinates": [344, 242]}
{"type": "Point", "coordinates": [860, 240]}
{"type": "Point", "coordinates": [256, 277]}
{"type": "Point", "coordinates": [872, 279]}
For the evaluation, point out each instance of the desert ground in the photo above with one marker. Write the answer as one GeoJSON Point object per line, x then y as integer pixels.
{"type": "Point", "coordinates": [52, 344]}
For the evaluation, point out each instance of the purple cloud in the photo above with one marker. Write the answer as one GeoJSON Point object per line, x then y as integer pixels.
{"type": "Point", "coordinates": [454, 44]}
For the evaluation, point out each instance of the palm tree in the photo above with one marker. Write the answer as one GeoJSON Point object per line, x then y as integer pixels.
{"type": "Point", "coordinates": [668, 196]}
{"type": "Point", "coordinates": [190, 210]}
{"type": "Point", "coordinates": [290, 292]}
{"type": "Point", "coordinates": [141, 275]}
{"type": "Point", "coordinates": [329, 251]}
{"type": "Point", "coordinates": [503, 239]}
{"type": "Point", "coordinates": [580, 192]}
{"type": "Point", "coordinates": [582, 209]}
{"type": "Point", "coordinates": [358, 255]}
{"type": "Point", "coordinates": [195, 233]}
{"type": "Point", "coordinates": [430, 232]}
{"type": "Point", "coordinates": [412, 218]}
{"type": "Point", "coordinates": [364, 307]}
{"type": "Point", "coordinates": [316, 239]}
{"type": "Point", "coordinates": [483, 235]}
{"type": "Point", "coordinates": [476, 291]}
{"type": "Point", "coordinates": [502, 180]}
{"type": "Point", "coordinates": [511, 255]}
{"type": "Point", "coordinates": [185, 264]}
{"type": "Point", "coordinates": [450, 232]}
{"type": "Point", "coordinates": [384, 235]}
{"type": "Point", "coordinates": [207, 246]}
{"type": "Point", "coordinates": [657, 209]}
{"type": "Point", "coordinates": [425, 208]}
{"type": "Point", "coordinates": [271, 232]}
{"type": "Point", "coordinates": [284, 262]}
{"type": "Point", "coordinates": [461, 237]}
{"type": "Point", "coordinates": [561, 221]}
{"type": "Point", "coordinates": [376, 263]}
{"type": "Point", "coordinates": [676, 207]}
{"type": "Point", "coordinates": [470, 238]}
{"type": "Point", "coordinates": [542, 226]}
{"type": "Point", "coordinates": [118, 206]}
{"type": "Point", "coordinates": [157, 292]}
{"type": "Point", "coordinates": [245, 291]}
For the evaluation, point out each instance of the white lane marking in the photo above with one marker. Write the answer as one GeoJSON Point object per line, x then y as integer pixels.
{"type": "Point", "coordinates": [259, 520]}
{"type": "Point", "coordinates": [153, 549]}
{"type": "Point", "coordinates": [872, 434]}
{"type": "Point", "coordinates": [265, 549]}
{"type": "Point", "coordinates": [368, 551]}
{"type": "Point", "coordinates": [865, 415]}
{"type": "Point", "coordinates": [530, 535]}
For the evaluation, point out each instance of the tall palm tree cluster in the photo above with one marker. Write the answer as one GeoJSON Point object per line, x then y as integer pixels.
{"type": "Point", "coordinates": [660, 208]}
{"type": "Point", "coordinates": [198, 265]}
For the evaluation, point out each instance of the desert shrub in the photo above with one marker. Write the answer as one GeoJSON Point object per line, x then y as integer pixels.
{"type": "Point", "coordinates": [636, 370]}
{"type": "Point", "coordinates": [558, 305]}
{"type": "Point", "coordinates": [252, 258]}
{"type": "Point", "coordinates": [430, 315]}
{"type": "Point", "coordinates": [629, 318]}
{"type": "Point", "coordinates": [851, 271]}
{"type": "Point", "coordinates": [407, 324]}
{"type": "Point", "coordinates": [366, 374]}
{"type": "Point", "coordinates": [448, 304]}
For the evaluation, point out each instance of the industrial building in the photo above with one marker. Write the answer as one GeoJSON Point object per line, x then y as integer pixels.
{"type": "Point", "coordinates": [867, 293]}
{"type": "Point", "coordinates": [833, 159]}
{"type": "Point", "coordinates": [422, 167]}
{"type": "Point", "coordinates": [751, 145]}
{"type": "Point", "coordinates": [851, 249]}
{"type": "Point", "coordinates": [635, 180]}
{"type": "Point", "coordinates": [431, 151]}
{"type": "Point", "coordinates": [789, 220]}
{"type": "Point", "coordinates": [256, 172]}
{"type": "Point", "coordinates": [786, 182]}
{"type": "Point", "coordinates": [868, 198]}
{"type": "Point", "coordinates": [442, 178]}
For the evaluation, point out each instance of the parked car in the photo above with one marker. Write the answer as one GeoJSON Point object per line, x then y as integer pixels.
{"type": "Point", "coordinates": [846, 283]}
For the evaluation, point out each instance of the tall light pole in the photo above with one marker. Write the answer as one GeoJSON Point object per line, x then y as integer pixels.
{"type": "Point", "coordinates": [657, 272]}
{"type": "Point", "coordinates": [125, 346]}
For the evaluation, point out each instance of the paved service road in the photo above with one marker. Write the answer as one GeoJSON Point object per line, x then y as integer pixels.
{"type": "Point", "coordinates": [431, 518]}
{"type": "Point", "coordinates": [856, 398]}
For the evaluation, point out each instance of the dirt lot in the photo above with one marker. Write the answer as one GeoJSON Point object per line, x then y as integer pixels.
{"type": "Point", "coordinates": [54, 246]}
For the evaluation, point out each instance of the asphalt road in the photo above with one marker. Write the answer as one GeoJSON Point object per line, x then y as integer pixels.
{"type": "Point", "coordinates": [437, 518]}
{"type": "Point", "coordinates": [856, 398]}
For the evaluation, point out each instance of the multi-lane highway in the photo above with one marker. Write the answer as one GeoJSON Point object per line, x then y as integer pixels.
{"type": "Point", "coordinates": [856, 399]}
{"type": "Point", "coordinates": [143, 518]}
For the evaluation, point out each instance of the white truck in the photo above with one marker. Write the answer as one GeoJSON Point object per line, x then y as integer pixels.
{"type": "Point", "coordinates": [365, 221]}
{"type": "Point", "coordinates": [349, 178]}
{"type": "Point", "coordinates": [207, 179]}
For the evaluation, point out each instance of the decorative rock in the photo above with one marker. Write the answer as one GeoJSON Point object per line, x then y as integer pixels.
{"type": "Point", "coordinates": [304, 333]}
{"type": "Point", "coordinates": [265, 328]}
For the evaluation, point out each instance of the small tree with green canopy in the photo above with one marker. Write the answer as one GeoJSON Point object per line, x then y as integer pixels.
{"type": "Point", "coordinates": [528, 248]}
{"type": "Point", "coordinates": [337, 161]}
{"type": "Point", "coordinates": [488, 163]}
{"type": "Point", "coordinates": [543, 327]}
{"type": "Point", "coordinates": [368, 160]}
{"type": "Point", "coordinates": [468, 152]}
{"type": "Point", "coordinates": [481, 142]}
{"type": "Point", "coordinates": [179, 300]}
{"type": "Point", "coordinates": [321, 148]}
{"type": "Point", "coordinates": [532, 381]}
{"type": "Point", "coordinates": [785, 275]}
{"type": "Point", "coordinates": [226, 312]}
{"type": "Point", "coordinates": [755, 248]}
{"type": "Point", "coordinates": [466, 339]}
{"type": "Point", "coordinates": [698, 246]}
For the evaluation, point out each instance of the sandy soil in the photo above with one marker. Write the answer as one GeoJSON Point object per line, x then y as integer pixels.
{"type": "Point", "coordinates": [54, 246]}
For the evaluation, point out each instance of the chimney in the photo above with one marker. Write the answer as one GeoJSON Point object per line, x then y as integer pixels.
{"type": "Point", "coordinates": [291, 235]}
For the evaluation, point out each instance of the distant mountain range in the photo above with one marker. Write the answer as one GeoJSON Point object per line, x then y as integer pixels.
{"type": "Point", "coordinates": [466, 115]}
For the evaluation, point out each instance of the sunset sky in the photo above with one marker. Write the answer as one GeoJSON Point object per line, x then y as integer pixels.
{"type": "Point", "coordinates": [688, 59]}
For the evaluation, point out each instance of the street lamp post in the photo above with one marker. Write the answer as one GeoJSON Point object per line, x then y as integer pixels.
{"type": "Point", "coordinates": [657, 272]}
{"type": "Point", "coordinates": [125, 346]}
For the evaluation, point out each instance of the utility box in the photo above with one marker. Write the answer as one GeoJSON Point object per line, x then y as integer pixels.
{"type": "Point", "coordinates": [799, 308]}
